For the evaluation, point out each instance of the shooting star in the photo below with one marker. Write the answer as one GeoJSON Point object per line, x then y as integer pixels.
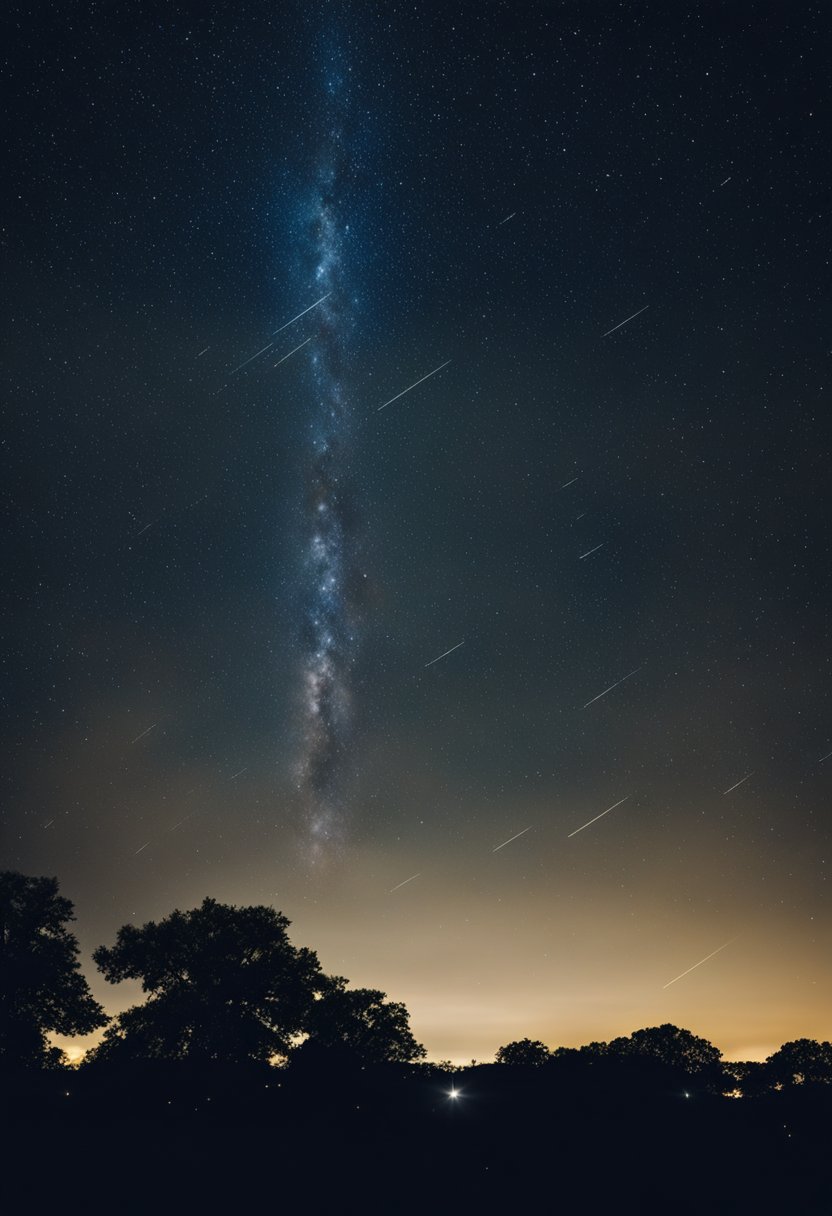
{"type": "Point", "coordinates": [826, 757]}
{"type": "Point", "coordinates": [203, 352]}
{"type": "Point", "coordinates": [141, 850]}
{"type": "Point", "coordinates": [403, 884]}
{"type": "Point", "coordinates": [620, 323]}
{"type": "Point", "coordinates": [737, 784]}
{"type": "Point", "coordinates": [725, 183]}
{"type": "Point", "coordinates": [506, 220]}
{"type": "Point", "coordinates": [597, 817]}
{"type": "Point", "coordinates": [441, 656]}
{"type": "Point", "coordinates": [48, 825]}
{"type": "Point", "coordinates": [144, 732]}
{"type": "Point", "coordinates": [569, 483]}
{"type": "Point", "coordinates": [251, 359]}
{"type": "Point", "coordinates": [144, 529]}
{"type": "Point", "coordinates": [699, 964]}
{"type": "Point", "coordinates": [611, 687]}
{"type": "Point", "coordinates": [407, 390]}
{"type": "Point", "coordinates": [301, 314]}
{"type": "Point", "coordinates": [291, 352]}
{"type": "Point", "coordinates": [517, 837]}
{"type": "Point", "coordinates": [589, 552]}
{"type": "Point", "coordinates": [185, 820]}
{"type": "Point", "coordinates": [238, 774]}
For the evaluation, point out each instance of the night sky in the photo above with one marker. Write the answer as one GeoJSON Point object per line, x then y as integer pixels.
{"type": "Point", "coordinates": [227, 577]}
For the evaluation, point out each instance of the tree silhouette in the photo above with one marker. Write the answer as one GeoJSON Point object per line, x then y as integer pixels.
{"type": "Point", "coordinates": [524, 1051]}
{"type": "Point", "coordinates": [364, 1023]}
{"type": "Point", "coordinates": [596, 1050]}
{"type": "Point", "coordinates": [225, 983]}
{"type": "Point", "coordinates": [671, 1046]}
{"type": "Point", "coordinates": [41, 986]}
{"type": "Point", "coordinates": [800, 1061]}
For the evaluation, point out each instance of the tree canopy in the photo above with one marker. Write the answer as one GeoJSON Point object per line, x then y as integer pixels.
{"type": "Point", "coordinates": [524, 1051]}
{"type": "Point", "coordinates": [224, 983]}
{"type": "Point", "coordinates": [363, 1022]}
{"type": "Point", "coordinates": [41, 985]}
{"type": "Point", "coordinates": [666, 1045]}
{"type": "Point", "coordinates": [800, 1061]}
{"type": "Point", "coordinates": [669, 1045]}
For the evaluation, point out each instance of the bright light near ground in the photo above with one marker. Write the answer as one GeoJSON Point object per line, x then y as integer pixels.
{"type": "Point", "coordinates": [453, 1094]}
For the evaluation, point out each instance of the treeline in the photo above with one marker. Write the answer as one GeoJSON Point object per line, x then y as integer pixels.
{"type": "Point", "coordinates": [225, 986]}
{"type": "Point", "coordinates": [799, 1062]}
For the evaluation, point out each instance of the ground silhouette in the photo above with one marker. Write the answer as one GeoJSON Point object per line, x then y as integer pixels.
{"type": "Point", "coordinates": [183, 1107]}
{"type": "Point", "coordinates": [326, 1133]}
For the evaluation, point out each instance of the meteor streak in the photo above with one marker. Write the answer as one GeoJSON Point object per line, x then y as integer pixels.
{"type": "Point", "coordinates": [291, 352]}
{"type": "Point", "coordinates": [301, 314]}
{"type": "Point", "coordinates": [245, 362]}
{"type": "Point", "coordinates": [144, 732]}
{"type": "Point", "coordinates": [611, 687]}
{"type": "Point", "coordinates": [403, 884]}
{"type": "Point", "coordinates": [190, 815]}
{"type": "Point", "coordinates": [620, 323]}
{"type": "Point", "coordinates": [699, 964]}
{"type": "Point", "coordinates": [597, 817]}
{"type": "Point", "coordinates": [590, 552]}
{"type": "Point", "coordinates": [441, 656]}
{"type": "Point", "coordinates": [737, 784]}
{"type": "Point", "coordinates": [407, 390]}
{"type": "Point", "coordinates": [517, 837]}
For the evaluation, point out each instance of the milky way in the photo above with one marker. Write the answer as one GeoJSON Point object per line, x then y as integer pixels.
{"type": "Point", "coordinates": [330, 627]}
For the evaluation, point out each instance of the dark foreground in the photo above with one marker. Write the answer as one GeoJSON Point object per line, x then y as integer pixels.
{"type": "Point", "coordinates": [390, 1140]}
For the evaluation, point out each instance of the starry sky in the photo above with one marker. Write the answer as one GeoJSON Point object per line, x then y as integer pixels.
{"type": "Point", "coordinates": [228, 570]}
